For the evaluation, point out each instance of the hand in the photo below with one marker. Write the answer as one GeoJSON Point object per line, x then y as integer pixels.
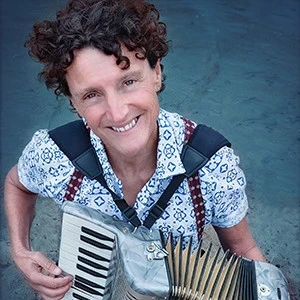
{"type": "Point", "coordinates": [41, 273]}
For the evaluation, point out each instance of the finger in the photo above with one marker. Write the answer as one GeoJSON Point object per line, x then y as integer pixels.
{"type": "Point", "coordinates": [47, 264]}
{"type": "Point", "coordinates": [50, 293]}
{"type": "Point", "coordinates": [52, 283]}
{"type": "Point", "coordinates": [52, 287]}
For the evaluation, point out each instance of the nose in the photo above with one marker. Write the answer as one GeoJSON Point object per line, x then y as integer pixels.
{"type": "Point", "coordinates": [116, 107]}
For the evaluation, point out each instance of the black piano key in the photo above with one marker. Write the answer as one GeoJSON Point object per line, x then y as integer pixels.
{"type": "Point", "coordinates": [95, 243]}
{"type": "Point", "coordinates": [79, 297]}
{"type": "Point", "coordinates": [88, 282]}
{"type": "Point", "coordinates": [96, 234]}
{"type": "Point", "coordinates": [87, 289]}
{"type": "Point", "coordinates": [89, 271]}
{"type": "Point", "coordinates": [91, 263]}
{"type": "Point", "coordinates": [93, 255]}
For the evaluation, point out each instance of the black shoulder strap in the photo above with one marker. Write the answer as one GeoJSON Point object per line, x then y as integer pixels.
{"type": "Point", "coordinates": [74, 140]}
{"type": "Point", "coordinates": [201, 146]}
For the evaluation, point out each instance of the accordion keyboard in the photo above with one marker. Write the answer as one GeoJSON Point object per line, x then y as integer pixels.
{"type": "Point", "coordinates": [86, 251]}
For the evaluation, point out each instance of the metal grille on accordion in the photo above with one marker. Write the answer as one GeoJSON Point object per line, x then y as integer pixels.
{"type": "Point", "coordinates": [109, 259]}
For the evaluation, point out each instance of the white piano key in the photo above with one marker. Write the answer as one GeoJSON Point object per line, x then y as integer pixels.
{"type": "Point", "coordinates": [73, 221]}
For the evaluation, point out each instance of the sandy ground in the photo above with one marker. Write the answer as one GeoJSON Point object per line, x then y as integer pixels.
{"type": "Point", "coordinates": [233, 65]}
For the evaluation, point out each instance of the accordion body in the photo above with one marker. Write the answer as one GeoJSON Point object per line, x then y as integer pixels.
{"type": "Point", "coordinates": [111, 260]}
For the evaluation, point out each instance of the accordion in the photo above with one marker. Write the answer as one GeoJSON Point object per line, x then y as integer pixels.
{"type": "Point", "coordinates": [111, 260]}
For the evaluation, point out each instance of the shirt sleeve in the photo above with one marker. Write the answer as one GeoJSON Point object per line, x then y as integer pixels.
{"type": "Point", "coordinates": [223, 186]}
{"type": "Point", "coordinates": [43, 168]}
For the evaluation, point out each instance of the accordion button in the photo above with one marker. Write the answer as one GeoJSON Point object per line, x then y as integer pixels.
{"type": "Point", "coordinates": [151, 248]}
{"type": "Point", "coordinates": [126, 230]}
{"type": "Point", "coordinates": [264, 290]}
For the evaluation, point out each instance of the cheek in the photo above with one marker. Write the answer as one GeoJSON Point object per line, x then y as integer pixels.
{"type": "Point", "coordinates": [155, 106]}
{"type": "Point", "coordinates": [149, 95]}
{"type": "Point", "coordinates": [155, 103]}
{"type": "Point", "coordinates": [92, 115]}
{"type": "Point", "coordinates": [148, 102]}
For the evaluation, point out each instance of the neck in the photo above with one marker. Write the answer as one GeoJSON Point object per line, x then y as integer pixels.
{"type": "Point", "coordinates": [137, 165]}
{"type": "Point", "coordinates": [141, 165]}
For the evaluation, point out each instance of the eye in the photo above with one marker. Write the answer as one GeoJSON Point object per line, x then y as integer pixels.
{"type": "Point", "coordinates": [129, 82]}
{"type": "Point", "coordinates": [90, 96]}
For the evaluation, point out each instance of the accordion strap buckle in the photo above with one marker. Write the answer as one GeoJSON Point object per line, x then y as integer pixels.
{"type": "Point", "coordinates": [131, 216]}
{"type": "Point", "coordinates": [156, 211]}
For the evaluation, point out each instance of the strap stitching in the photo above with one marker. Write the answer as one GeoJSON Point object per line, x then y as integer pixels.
{"type": "Point", "coordinates": [73, 185]}
{"type": "Point", "coordinates": [194, 185]}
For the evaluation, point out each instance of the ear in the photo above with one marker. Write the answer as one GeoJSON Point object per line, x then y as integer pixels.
{"type": "Point", "coordinates": [158, 75]}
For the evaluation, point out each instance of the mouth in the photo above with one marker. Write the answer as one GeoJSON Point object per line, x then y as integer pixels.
{"type": "Point", "coordinates": [126, 127]}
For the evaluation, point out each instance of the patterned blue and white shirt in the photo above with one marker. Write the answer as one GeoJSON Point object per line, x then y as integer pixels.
{"type": "Point", "coordinates": [44, 169]}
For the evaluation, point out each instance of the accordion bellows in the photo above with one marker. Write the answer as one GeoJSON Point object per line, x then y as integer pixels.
{"type": "Point", "coordinates": [111, 260]}
{"type": "Point", "coordinates": [202, 274]}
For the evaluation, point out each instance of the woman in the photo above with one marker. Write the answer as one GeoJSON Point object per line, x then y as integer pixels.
{"type": "Point", "coordinates": [105, 56]}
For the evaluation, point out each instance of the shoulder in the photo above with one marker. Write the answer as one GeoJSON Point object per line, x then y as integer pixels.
{"type": "Point", "coordinates": [43, 147]}
{"type": "Point", "coordinates": [43, 168]}
{"type": "Point", "coordinates": [41, 136]}
{"type": "Point", "coordinates": [223, 186]}
{"type": "Point", "coordinates": [223, 169]}
{"type": "Point", "coordinates": [223, 163]}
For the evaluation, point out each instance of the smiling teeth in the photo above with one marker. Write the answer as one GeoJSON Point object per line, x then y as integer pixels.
{"type": "Point", "coordinates": [127, 127]}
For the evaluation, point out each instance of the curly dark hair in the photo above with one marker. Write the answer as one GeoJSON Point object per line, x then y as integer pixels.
{"type": "Point", "coordinates": [103, 24]}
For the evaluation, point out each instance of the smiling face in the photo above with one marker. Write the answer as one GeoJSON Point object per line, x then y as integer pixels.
{"type": "Point", "coordinates": [120, 106]}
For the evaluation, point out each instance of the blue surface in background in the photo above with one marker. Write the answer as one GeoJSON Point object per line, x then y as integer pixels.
{"type": "Point", "coordinates": [233, 65]}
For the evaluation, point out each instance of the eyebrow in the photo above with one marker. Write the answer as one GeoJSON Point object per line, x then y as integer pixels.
{"type": "Point", "coordinates": [82, 92]}
{"type": "Point", "coordinates": [131, 73]}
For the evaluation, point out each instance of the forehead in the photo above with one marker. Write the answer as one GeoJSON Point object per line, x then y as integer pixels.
{"type": "Point", "coordinates": [92, 68]}
{"type": "Point", "coordinates": [89, 57]}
